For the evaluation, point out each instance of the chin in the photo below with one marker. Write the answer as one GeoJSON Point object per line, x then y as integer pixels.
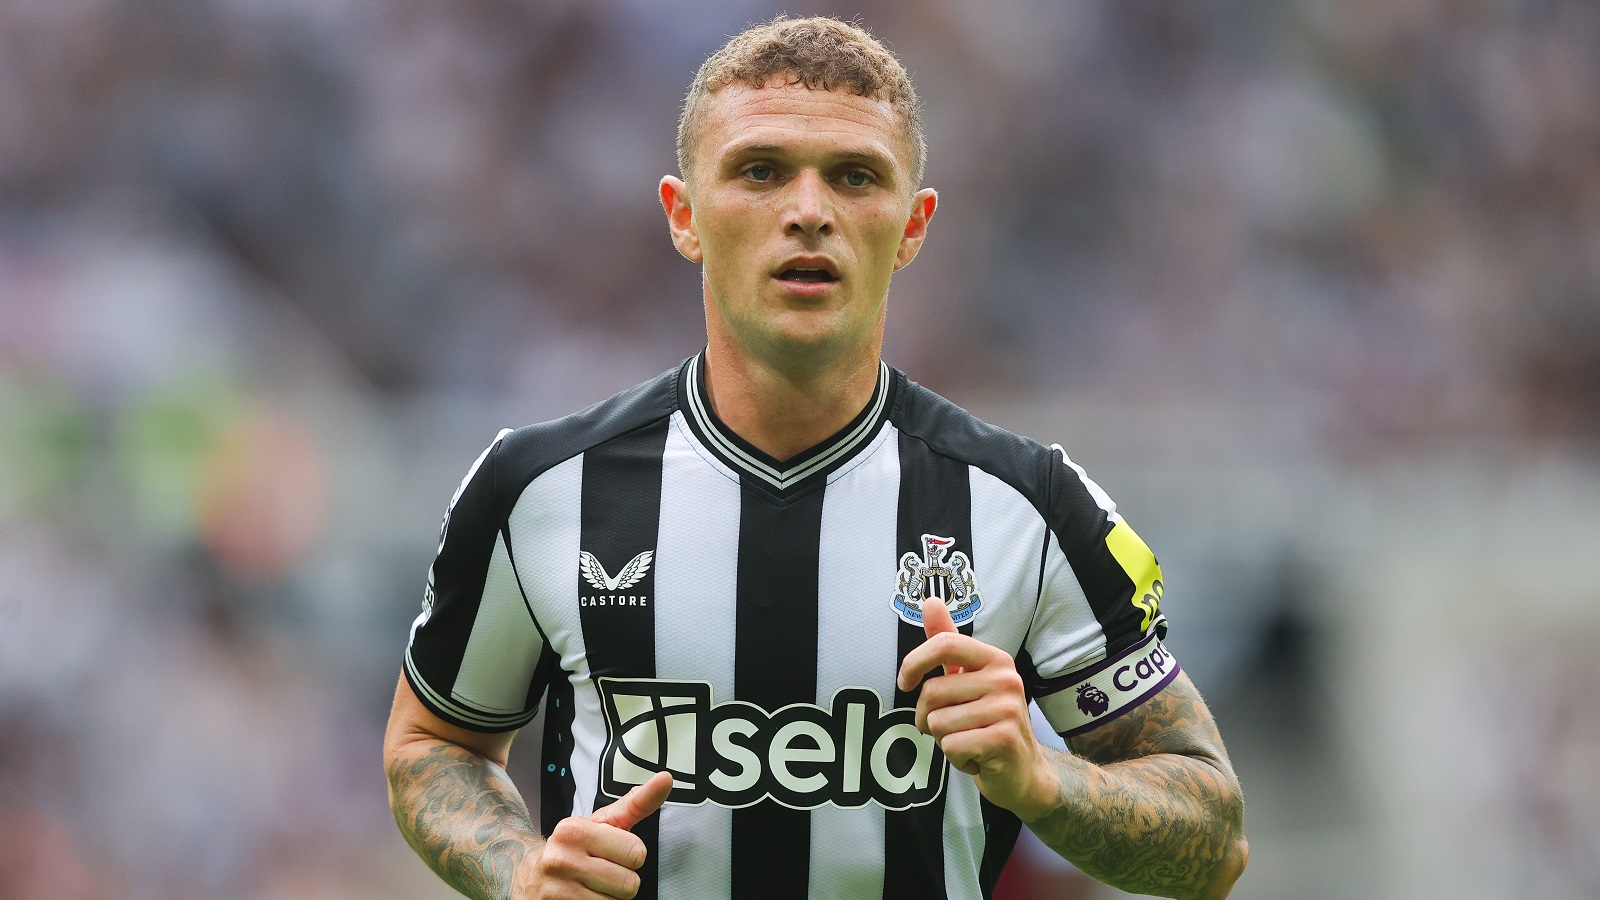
{"type": "Point", "coordinates": [799, 334]}
{"type": "Point", "coordinates": [812, 345]}
{"type": "Point", "coordinates": [802, 340]}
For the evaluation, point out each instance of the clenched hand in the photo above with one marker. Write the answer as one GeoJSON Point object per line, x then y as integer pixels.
{"type": "Point", "coordinates": [594, 857]}
{"type": "Point", "coordinates": [978, 712]}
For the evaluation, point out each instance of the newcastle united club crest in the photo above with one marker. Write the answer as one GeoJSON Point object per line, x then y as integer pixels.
{"type": "Point", "coordinates": [939, 573]}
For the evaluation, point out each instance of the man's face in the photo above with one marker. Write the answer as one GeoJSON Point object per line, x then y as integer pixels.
{"type": "Point", "coordinates": [801, 208]}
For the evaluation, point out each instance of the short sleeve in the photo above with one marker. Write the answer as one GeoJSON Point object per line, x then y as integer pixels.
{"type": "Point", "coordinates": [474, 655]}
{"type": "Point", "coordinates": [1095, 642]}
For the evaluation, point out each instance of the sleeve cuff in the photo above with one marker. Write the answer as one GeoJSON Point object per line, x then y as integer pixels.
{"type": "Point", "coordinates": [453, 711]}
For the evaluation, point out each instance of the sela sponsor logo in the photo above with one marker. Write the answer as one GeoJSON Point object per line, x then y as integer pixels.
{"type": "Point", "coordinates": [601, 580]}
{"type": "Point", "coordinates": [735, 754]}
{"type": "Point", "coordinates": [939, 573]}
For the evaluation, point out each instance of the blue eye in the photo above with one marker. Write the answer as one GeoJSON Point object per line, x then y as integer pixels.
{"type": "Point", "coordinates": [759, 172]}
{"type": "Point", "coordinates": [857, 178]}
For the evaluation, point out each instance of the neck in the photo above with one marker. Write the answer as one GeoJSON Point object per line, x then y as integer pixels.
{"type": "Point", "coordinates": [783, 411]}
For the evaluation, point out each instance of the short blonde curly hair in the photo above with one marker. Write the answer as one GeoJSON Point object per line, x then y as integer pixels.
{"type": "Point", "coordinates": [821, 53]}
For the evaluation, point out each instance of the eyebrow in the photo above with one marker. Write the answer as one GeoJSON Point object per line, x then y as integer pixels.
{"type": "Point", "coordinates": [866, 157]}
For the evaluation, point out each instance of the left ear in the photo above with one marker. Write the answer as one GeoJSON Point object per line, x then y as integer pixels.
{"type": "Point", "coordinates": [922, 206]}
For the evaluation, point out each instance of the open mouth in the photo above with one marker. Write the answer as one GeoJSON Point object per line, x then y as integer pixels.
{"type": "Point", "coordinates": [807, 276]}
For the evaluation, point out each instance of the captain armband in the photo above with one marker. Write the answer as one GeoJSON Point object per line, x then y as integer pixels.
{"type": "Point", "coordinates": [1089, 698]}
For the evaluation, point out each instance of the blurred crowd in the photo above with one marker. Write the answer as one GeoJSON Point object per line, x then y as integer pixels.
{"type": "Point", "coordinates": [272, 271]}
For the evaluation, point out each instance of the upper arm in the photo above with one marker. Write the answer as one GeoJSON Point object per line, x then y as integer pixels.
{"type": "Point", "coordinates": [1175, 720]}
{"type": "Point", "coordinates": [1190, 822]}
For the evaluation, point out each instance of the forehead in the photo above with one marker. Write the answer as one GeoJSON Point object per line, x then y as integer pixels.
{"type": "Point", "coordinates": [792, 115]}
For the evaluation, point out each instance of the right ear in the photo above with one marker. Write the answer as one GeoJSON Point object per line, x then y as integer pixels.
{"type": "Point", "coordinates": [680, 218]}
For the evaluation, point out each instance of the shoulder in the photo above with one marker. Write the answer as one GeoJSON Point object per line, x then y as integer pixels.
{"type": "Point", "coordinates": [950, 431]}
{"type": "Point", "coordinates": [521, 455]}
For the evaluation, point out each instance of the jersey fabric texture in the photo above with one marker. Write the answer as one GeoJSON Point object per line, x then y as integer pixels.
{"type": "Point", "coordinates": [677, 599]}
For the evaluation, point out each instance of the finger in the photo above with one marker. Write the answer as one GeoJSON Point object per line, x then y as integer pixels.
{"type": "Point", "coordinates": [568, 859]}
{"type": "Point", "coordinates": [953, 651]}
{"type": "Point", "coordinates": [962, 687]}
{"type": "Point", "coordinates": [950, 690]}
{"type": "Point", "coordinates": [945, 721]}
{"type": "Point", "coordinates": [969, 750]}
{"type": "Point", "coordinates": [577, 890]}
{"type": "Point", "coordinates": [636, 804]}
{"type": "Point", "coordinates": [609, 879]}
{"type": "Point", "coordinates": [602, 841]}
{"type": "Point", "coordinates": [964, 762]}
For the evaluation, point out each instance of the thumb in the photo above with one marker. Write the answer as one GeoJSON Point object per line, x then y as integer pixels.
{"type": "Point", "coordinates": [936, 620]}
{"type": "Point", "coordinates": [936, 616]}
{"type": "Point", "coordinates": [636, 804]}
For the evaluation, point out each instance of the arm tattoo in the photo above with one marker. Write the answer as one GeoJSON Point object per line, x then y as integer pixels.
{"type": "Point", "coordinates": [462, 815]}
{"type": "Point", "coordinates": [1150, 803]}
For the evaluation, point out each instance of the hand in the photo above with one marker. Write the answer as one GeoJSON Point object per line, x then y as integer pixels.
{"type": "Point", "coordinates": [978, 712]}
{"type": "Point", "coordinates": [595, 856]}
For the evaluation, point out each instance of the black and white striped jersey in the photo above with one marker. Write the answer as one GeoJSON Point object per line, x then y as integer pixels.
{"type": "Point", "coordinates": [679, 600]}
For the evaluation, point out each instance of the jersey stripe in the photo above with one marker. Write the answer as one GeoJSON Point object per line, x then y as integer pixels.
{"type": "Point", "coordinates": [696, 561]}
{"type": "Point", "coordinates": [1000, 830]}
{"type": "Point", "coordinates": [1009, 536]}
{"type": "Point", "coordinates": [857, 634]}
{"type": "Point", "coordinates": [620, 517]}
{"type": "Point", "coordinates": [935, 498]}
{"type": "Point", "coordinates": [775, 664]}
{"type": "Point", "coordinates": [963, 837]}
{"type": "Point", "coordinates": [498, 667]}
{"type": "Point", "coordinates": [543, 526]}
{"type": "Point", "coordinates": [1064, 635]}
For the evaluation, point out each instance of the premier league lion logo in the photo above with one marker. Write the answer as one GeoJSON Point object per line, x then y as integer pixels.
{"type": "Point", "coordinates": [1092, 701]}
{"type": "Point", "coordinates": [939, 573]}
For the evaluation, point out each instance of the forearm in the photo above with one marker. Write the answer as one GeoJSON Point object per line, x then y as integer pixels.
{"type": "Point", "coordinates": [462, 815]}
{"type": "Point", "coordinates": [1165, 824]}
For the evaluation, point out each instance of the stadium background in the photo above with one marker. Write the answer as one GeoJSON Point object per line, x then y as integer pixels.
{"type": "Point", "coordinates": [1312, 288]}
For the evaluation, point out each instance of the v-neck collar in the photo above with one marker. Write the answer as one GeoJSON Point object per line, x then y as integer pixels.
{"type": "Point", "coordinates": [793, 475]}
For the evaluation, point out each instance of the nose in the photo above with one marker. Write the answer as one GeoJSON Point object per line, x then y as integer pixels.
{"type": "Point", "coordinates": [810, 209]}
